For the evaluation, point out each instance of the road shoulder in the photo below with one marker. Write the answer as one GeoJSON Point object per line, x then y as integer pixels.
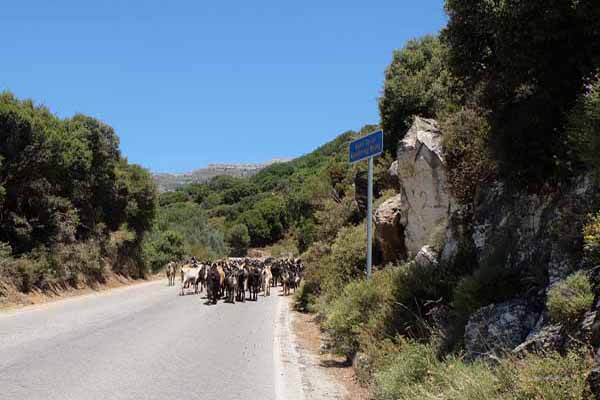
{"type": "Point", "coordinates": [301, 366]}
{"type": "Point", "coordinates": [309, 338]}
{"type": "Point", "coordinates": [12, 300]}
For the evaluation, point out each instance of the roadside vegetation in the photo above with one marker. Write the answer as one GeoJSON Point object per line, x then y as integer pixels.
{"type": "Point", "coordinates": [71, 207]}
{"type": "Point", "coordinates": [516, 89]}
{"type": "Point", "coordinates": [517, 102]}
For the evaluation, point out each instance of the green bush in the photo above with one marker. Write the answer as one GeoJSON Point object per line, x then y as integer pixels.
{"type": "Point", "coordinates": [163, 248]}
{"type": "Point", "coordinates": [332, 217]}
{"type": "Point", "coordinates": [408, 367]}
{"type": "Point", "coordinates": [465, 144]}
{"type": "Point", "coordinates": [57, 267]}
{"type": "Point", "coordinates": [583, 130]}
{"type": "Point", "coordinates": [552, 376]}
{"type": "Point", "coordinates": [591, 240]}
{"type": "Point", "coordinates": [315, 258]}
{"type": "Point", "coordinates": [362, 307]}
{"type": "Point", "coordinates": [164, 199]}
{"type": "Point", "coordinates": [305, 297]}
{"type": "Point", "coordinates": [64, 178]}
{"type": "Point", "coordinates": [414, 371]}
{"type": "Point", "coordinates": [569, 299]}
{"type": "Point", "coordinates": [266, 221]}
{"type": "Point", "coordinates": [525, 61]}
{"type": "Point", "coordinates": [489, 284]}
{"type": "Point", "coordinates": [414, 287]}
{"type": "Point", "coordinates": [416, 83]}
{"type": "Point", "coordinates": [238, 240]}
{"type": "Point", "coordinates": [347, 260]}
{"type": "Point", "coordinates": [201, 238]}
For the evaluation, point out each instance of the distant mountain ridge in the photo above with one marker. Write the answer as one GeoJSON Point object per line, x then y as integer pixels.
{"type": "Point", "coordinates": [170, 181]}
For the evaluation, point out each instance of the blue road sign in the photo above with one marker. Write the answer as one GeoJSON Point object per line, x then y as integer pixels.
{"type": "Point", "coordinates": [366, 146]}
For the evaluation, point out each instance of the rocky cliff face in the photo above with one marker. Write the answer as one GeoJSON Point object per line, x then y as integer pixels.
{"type": "Point", "coordinates": [167, 182]}
{"type": "Point", "coordinates": [423, 204]}
{"type": "Point", "coordinates": [531, 241]}
{"type": "Point", "coordinates": [535, 240]}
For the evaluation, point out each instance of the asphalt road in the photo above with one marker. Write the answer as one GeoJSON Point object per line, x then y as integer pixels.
{"type": "Point", "coordinates": [146, 342]}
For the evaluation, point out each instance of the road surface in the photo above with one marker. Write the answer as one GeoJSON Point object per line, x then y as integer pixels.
{"type": "Point", "coordinates": [146, 342]}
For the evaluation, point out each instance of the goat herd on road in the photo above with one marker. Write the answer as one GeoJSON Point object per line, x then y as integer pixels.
{"type": "Point", "coordinates": [232, 277]}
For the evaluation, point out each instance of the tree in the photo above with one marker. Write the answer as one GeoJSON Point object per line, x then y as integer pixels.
{"type": "Point", "coordinates": [239, 240]}
{"type": "Point", "coordinates": [191, 222]}
{"type": "Point", "coordinates": [64, 185]}
{"type": "Point", "coordinates": [583, 131]}
{"type": "Point", "coordinates": [166, 247]}
{"type": "Point", "coordinates": [167, 198]}
{"type": "Point", "coordinates": [417, 82]}
{"type": "Point", "coordinates": [138, 197]}
{"type": "Point", "coordinates": [526, 62]}
{"type": "Point", "coordinates": [239, 190]}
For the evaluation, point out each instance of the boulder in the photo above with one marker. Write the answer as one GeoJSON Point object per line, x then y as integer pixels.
{"type": "Point", "coordinates": [425, 202]}
{"type": "Point", "coordinates": [389, 231]}
{"type": "Point", "coordinates": [548, 338]}
{"type": "Point", "coordinates": [392, 176]}
{"type": "Point", "coordinates": [427, 257]}
{"type": "Point", "coordinates": [498, 328]}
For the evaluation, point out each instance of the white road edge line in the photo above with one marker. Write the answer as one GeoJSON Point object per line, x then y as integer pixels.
{"type": "Point", "coordinates": [288, 380]}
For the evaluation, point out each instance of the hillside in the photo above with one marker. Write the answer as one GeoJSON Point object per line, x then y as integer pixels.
{"type": "Point", "coordinates": [168, 182]}
{"type": "Point", "coordinates": [73, 210]}
{"type": "Point", "coordinates": [486, 281]}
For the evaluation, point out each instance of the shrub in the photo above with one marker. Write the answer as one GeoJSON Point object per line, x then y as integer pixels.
{"type": "Point", "coordinates": [361, 307]}
{"type": "Point", "coordinates": [414, 287]}
{"type": "Point", "coordinates": [591, 240]}
{"type": "Point", "coordinates": [238, 240]}
{"type": "Point", "coordinates": [191, 222]}
{"type": "Point", "coordinates": [408, 367]}
{"type": "Point", "coordinates": [416, 83]}
{"type": "Point", "coordinates": [60, 266]}
{"type": "Point", "coordinates": [552, 376]}
{"type": "Point", "coordinates": [569, 299]}
{"type": "Point", "coordinates": [526, 61]}
{"type": "Point", "coordinates": [333, 216]}
{"type": "Point", "coordinates": [315, 260]}
{"type": "Point", "coordinates": [347, 261]}
{"type": "Point", "coordinates": [26, 273]}
{"type": "Point", "coordinates": [583, 130]}
{"type": "Point", "coordinates": [414, 372]}
{"type": "Point", "coordinates": [489, 284]}
{"type": "Point", "coordinates": [5, 250]}
{"type": "Point", "coordinates": [493, 282]}
{"type": "Point", "coordinates": [165, 247]}
{"type": "Point", "coordinates": [465, 145]}
{"type": "Point", "coordinates": [305, 298]}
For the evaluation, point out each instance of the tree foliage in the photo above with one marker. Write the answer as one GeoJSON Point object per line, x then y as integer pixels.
{"type": "Point", "coordinates": [238, 239]}
{"type": "Point", "coordinates": [65, 194]}
{"type": "Point", "coordinates": [526, 62]}
{"type": "Point", "coordinates": [190, 221]}
{"type": "Point", "coordinates": [65, 180]}
{"type": "Point", "coordinates": [417, 82]}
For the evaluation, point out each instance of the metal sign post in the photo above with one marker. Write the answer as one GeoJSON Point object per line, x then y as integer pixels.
{"type": "Point", "coordinates": [368, 147]}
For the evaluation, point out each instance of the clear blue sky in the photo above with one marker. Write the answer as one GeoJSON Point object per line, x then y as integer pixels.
{"type": "Point", "coordinates": [186, 83]}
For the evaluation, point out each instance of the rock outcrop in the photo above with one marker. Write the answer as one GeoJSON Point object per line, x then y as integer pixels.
{"type": "Point", "coordinates": [424, 203]}
{"type": "Point", "coordinates": [168, 182]}
{"type": "Point", "coordinates": [389, 232]}
{"type": "Point", "coordinates": [529, 240]}
{"type": "Point", "coordinates": [536, 239]}
{"type": "Point", "coordinates": [498, 328]}
{"type": "Point", "coordinates": [427, 257]}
